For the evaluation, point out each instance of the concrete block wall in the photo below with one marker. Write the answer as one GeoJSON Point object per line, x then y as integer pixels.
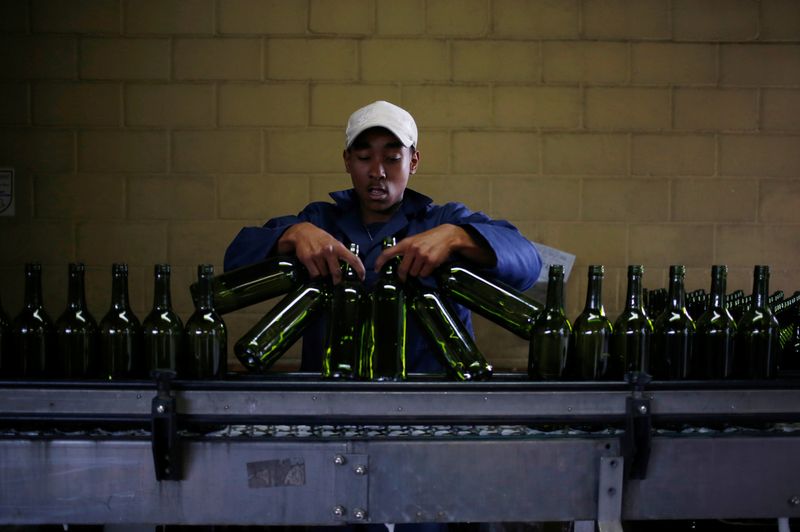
{"type": "Point", "coordinates": [624, 131]}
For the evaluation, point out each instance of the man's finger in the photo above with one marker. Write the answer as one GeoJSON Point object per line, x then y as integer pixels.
{"type": "Point", "coordinates": [387, 254]}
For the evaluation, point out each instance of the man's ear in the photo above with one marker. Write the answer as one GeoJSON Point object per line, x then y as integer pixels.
{"type": "Point", "coordinates": [346, 159]}
{"type": "Point", "coordinates": [415, 155]}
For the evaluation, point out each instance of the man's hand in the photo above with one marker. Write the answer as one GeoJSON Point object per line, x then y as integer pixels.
{"type": "Point", "coordinates": [318, 251]}
{"type": "Point", "coordinates": [424, 252]}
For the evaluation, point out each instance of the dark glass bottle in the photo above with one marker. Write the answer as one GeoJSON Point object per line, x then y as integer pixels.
{"type": "Point", "coordinates": [757, 335]}
{"type": "Point", "coordinates": [450, 338]}
{"type": "Point", "coordinates": [77, 332]}
{"type": "Point", "coordinates": [673, 333]}
{"type": "Point", "coordinates": [254, 283]}
{"type": "Point", "coordinates": [162, 328]}
{"type": "Point", "coordinates": [716, 331]}
{"type": "Point", "coordinates": [345, 344]}
{"type": "Point", "coordinates": [385, 352]}
{"type": "Point", "coordinates": [633, 329]}
{"type": "Point", "coordinates": [205, 351]}
{"type": "Point", "coordinates": [790, 336]}
{"type": "Point", "coordinates": [493, 300]}
{"type": "Point", "coordinates": [121, 332]}
{"type": "Point", "coordinates": [34, 334]}
{"type": "Point", "coordinates": [591, 335]}
{"type": "Point", "coordinates": [550, 333]}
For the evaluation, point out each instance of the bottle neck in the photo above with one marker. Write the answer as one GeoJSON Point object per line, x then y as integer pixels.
{"type": "Point", "coordinates": [633, 299]}
{"type": "Point", "coordinates": [119, 291]}
{"type": "Point", "coordinates": [76, 292]}
{"type": "Point", "coordinates": [33, 289]}
{"type": "Point", "coordinates": [555, 293]}
{"type": "Point", "coordinates": [718, 288]}
{"type": "Point", "coordinates": [677, 293]}
{"type": "Point", "coordinates": [162, 299]}
{"type": "Point", "coordinates": [205, 294]}
{"type": "Point", "coordinates": [760, 291]}
{"type": "Point", "coordinates": [594, 293]}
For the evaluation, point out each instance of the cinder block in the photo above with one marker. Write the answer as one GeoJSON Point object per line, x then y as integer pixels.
{"type": "Point", "coordinates": [450, 106]}
{"type": "Point", "coordinates": [263, 16]}
{"type": "Point", "coordinates": [658, 154]}
{"type": "Point", "coordinates": [125, 59]}
{"type": "Point", "coordinates": [716, 109]}
{"type": "Point", "coordinates": [332, 104]}
{"type": "Point", "coordinates": [122, 151]}
{"type": "Point", "coordinates": [530, 198]}
{"type": "Point", "coordinates": [435, 152]}
{"type": "Point", "coordinates": [457, 17]}
{"type": "Point", "coordinates": [169, 105]}
{"type": "Point", "coordinates": [472, 191]}
{"type": "Point", "coordinates": [530, 19]}
{"type": "Point", "coordinates": [674, 63]}
{"type": "Point", "coordinates": [261, 197]}
{"type": "Point", "coordinates": [305, 151]}
{"type": "Point", "coordinates": [778, 200]}
{"type": "Point", "coordinates": [659, 245]}
{"type": "Point", "coordinates": [217, 151]}
{"type": "Point", "coordinates": [626, 19]}
{"type": "Point", "coordinates": [546, 107]}
{"type": "Point", "coordinates": [77, 104]}
{"type": "Point", "coordinates": [576, 61]}
{"type": "Point", "coordinates": [40, 57]}
{"type": "Point", "coordinates": [747, 245]}
{"type": "Point", "coordinates": [714, 200]}
{"type": "Point", "coordinates": [320, 187]}
{"type": "Point", "coordinates": [411, 60]}
{"type": "Point", "coordinates": [715, 20]}
{"type": "Point", "coordinates": [42, 241]}
{"type": "Point", "coordinates": [79, 16]}
{"type": "Point", "coordinates": [578, 154]}
{"type": "Point", "coordinates": [496, 61]}
{"type": "Point", "coordinates": [759, 155]}
{"type": "Point", "coordinates": [595, 243]}
{"type": "Point", "coordinates": [400, 18]}
{"type": "Point", "coordinates": [200, 242]}
{"type": "Point", "coordinates": [80, 197]}
{"type": "Point", "coordinates": [37, 150]}
{"type": "Point", "coordinates": [504, 350]}
{"type": "Point", "coordinates": [218, 58]}
{"type": "Point", "coordinates": [779, 20]}
{"type": "Point", "coordinates": [780, 109]}
{"type": "Point", "coordinates": [14, 17]}
{"type": "Point", "coordinates": [314, 59]}
{"type": "Point", "coordinates": [342, 16]}
{"type": "Point", "coordinates": [136, 243]}
{"type": "Point", "coordinates": [169, 16]}
{"type": "Point", "coordinates": [263, 105]}
{"type": "Point", "coordinates": [760, 65]}
{"type": "Point", "coordinates": [171, 198]}
{"type": "Point", "coordinates": [14, 104]}
{"type": "Point", "coordinates": [625, 200]}
{"type": "Point", "coordinates": [628, 109]}
{"type": "Point", "coordinates": [482, 152]}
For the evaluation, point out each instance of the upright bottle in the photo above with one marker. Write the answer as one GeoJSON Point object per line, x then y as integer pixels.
{"type": "Point", "coordinates": [162, 328]}
{"type": "Point", "coordinates": [33, 329]}
{"type": "Point", "coordinates": [205, 352]}
{"type": "Point", "coordinates": [673, 333]}
{"type": "Point", "coordinates": [494, 300]}
{"type": "Point", "coordinates": [591, 335]}
{"type": "Point", "coordinates": [76, 331]}
{"type": "Point", "coordinates": [716, 331]}
{"type": "Point", "coordinates": [633, 329]}
{"type": "Point", "coordinates": [348, 325]}
{"type": "Point", "coordinates": [8, 364]}
{"type": "Point", "coordinates": [757, 336]}
{"type": "Point", "coordinates": [121, 332]}
{"type": "Point", "coordinates": [385, 352]}
{"type": "Point", "coordinates": [550, 333]}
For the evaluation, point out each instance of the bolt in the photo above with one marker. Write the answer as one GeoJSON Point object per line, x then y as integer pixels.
{"type": "Point", "coordinates": [160, 409]}
{"type": "Point", "coordinates": [360, 469]}
{"type": "Point", "coordinates": [794, 500]}
{"type": "Point", "coordinates": [338, 511]}
{"type": "Point", "coordinates": [642, 409]}
{"type": "Point", "coordinates": [339, 459]}
{"type": "Point", "coordinates": [613, 463]}
{"type": "Point", "coordinates": [612, 492]}
{"type": "Point", "coordinates": [138, 396]}
{"type": "Point", "coordinates": [359, 513]}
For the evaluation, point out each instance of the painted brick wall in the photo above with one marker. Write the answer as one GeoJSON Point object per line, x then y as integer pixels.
{"type": "Point", "coordinates": [624, 131]}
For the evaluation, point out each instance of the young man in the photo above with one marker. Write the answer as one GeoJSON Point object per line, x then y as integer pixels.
{"type": "Point", "coordinates": [381, 155]}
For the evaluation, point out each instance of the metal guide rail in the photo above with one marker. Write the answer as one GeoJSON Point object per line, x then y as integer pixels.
{"type": "Point", "coordinates": [298, 450]}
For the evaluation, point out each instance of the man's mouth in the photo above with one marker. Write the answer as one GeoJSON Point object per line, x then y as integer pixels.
{"type": "Point", "coordinates": [377, 193]}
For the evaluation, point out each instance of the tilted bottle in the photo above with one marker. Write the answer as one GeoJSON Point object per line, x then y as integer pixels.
{"type": "Point", "coordinates": [254, 283]}
{"type": "Point", "coordinates": [162, 328]}
{"type": "Point", "coordinates": [716, 331]}
{"type": "Point", "coordinates": [673, 333]}
{"type": "Point", "coordinates": [757, 333]}
{"type": "Point", "coordinates": [633, 329]}
{"type": "Point", "coordinates": [121, 332]}
{"type": "Point", "coordinates": [345, 344]}
{"type": "Point", "coordinates": [449, 337]}
{"type": "Point", "coordinates": [385, 351]}
{"type": "Point", "coordinates": [550, 333]}
{"type": "Point", "coordinates": [492, 299]}
{"type": "Point", "coordinates": [34, 334]}
{"type": "Point", "coordinates": [205, 350]}
{"type": "Point", "coordinates": [7, 356]}
{"type": "Point", "coordinates": [591, 335]}
{"type": "Point", "coordinates": [77, 332]}
{"type": "Point", "coordinates": [790, 336]}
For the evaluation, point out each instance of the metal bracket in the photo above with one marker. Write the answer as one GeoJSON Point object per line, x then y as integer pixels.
{"type": "Point", "coordinates": [635, 442]}
{"type": "Point", "coordinates": [164, 430]}
{"type": "Point", "coordinates": [609, 494]}
{"type": "Point", "coordinates": [351, 488]}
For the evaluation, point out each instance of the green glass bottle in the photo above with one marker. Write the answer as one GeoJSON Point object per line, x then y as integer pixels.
{"type": "Point", "coordinates": [493, 300]}
{"type": "Point", "coordinates": [716, 331]}
{"type": "Point", "coordinates": [673, 333]}
{"type": "Point", "coordinates": [33, 330]}
{"type": "Point", "coordinates": [550, 333]}
{"type": "Point", "coordinates": [205, 350]}
{"type": "Point", "coordinates": [757, 335]}
{"type": "Point", "coordinates": [591, 335]}
{"type": "Point", "coordinates": [77, 332]}
{"type": "Point", "coordinates": [633, 329]}
{"type": "Point", "coordinates": [385, 351]}
{"type": "Point", "coordinates": [451, 340]}
{"type": "Point", "coordinates": [254, 283]}
{"type": "Point", "coordinates": [790, 336]}
{"type": "Point", "coordinates": [7, 357]}
{"type": "Point", "coordinates": [349, 306]}
{"type": "Point", "coordinates": [162, 328]}
{"type": "Point", "coordinates": [121, 332]}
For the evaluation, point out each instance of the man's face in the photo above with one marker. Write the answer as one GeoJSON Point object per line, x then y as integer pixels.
{"type": "Point", "coordinates": [379, 166]}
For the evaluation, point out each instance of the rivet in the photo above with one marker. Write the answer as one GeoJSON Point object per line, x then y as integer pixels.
{"type": "Point", "coordinates": [339, 459]}
{"type": "Point", "coordinates": [160, 409]}
{"type": "Point", "coordinates": [359, 513]}
{"type": "Point", "coordinates": [360, 469]}
{"type": "Point", "coordinates": [338, 511]}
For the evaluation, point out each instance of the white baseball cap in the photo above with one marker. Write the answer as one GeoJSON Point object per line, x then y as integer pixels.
{"type": "Point", "coordinates": [382, 114]}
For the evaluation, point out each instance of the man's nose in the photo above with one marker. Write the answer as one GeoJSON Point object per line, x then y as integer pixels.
{"type": "Point", "coordinates": [376, 169]}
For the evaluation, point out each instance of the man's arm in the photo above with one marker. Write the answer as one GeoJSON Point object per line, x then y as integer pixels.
{"type": "Point", "coordinates": [318, 251]}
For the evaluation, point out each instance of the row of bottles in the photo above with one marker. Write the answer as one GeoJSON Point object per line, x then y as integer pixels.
{"type": "Point", "coordinates": [76, 346]}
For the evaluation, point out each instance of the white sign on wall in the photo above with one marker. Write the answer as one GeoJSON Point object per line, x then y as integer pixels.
{"type": "Point", "coordinates": [6, 192]}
